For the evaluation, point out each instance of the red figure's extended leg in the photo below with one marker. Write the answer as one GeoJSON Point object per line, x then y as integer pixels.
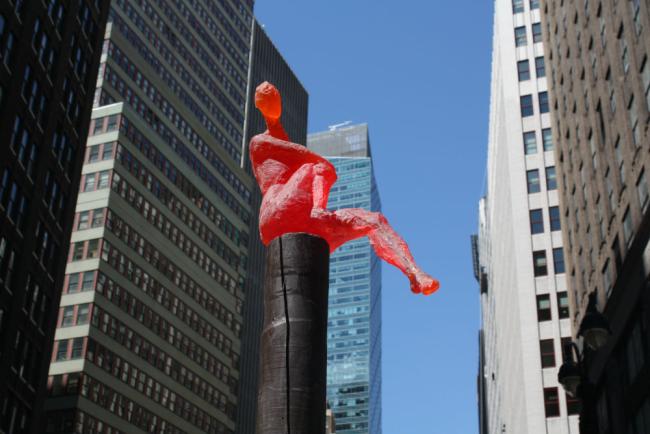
{"type": "Point", "coordinates": [352, 223]}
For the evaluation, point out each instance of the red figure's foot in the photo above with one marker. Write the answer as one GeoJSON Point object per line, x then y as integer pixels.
{"type": "Point", "coordinates": [423, 283]}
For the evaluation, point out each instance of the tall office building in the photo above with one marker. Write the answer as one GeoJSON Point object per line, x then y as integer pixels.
{"type": "Point", "coordinates": [600, 95]}
{"type": "Point", "coordinates": [519, 253]}
{"type": "Point", "coordinates": [49, 55]}
{"type": "Point", "coordinates": [149, 326]}
{"type": "Point", "coordinates": [354, 320]}
{"type": "Point", "coordinates": [266, 64]}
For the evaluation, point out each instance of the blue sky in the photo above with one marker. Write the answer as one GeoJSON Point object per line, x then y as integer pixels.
{"type": "Point", "coordinates": [418, 73]}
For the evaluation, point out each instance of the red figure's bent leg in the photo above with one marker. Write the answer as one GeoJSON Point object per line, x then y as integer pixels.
{"type": "Point", "coordinates": [354, 223]}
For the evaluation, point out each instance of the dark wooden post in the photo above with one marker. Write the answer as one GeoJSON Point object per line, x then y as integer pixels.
{"type": "Point", "coordinates": [301, 261]}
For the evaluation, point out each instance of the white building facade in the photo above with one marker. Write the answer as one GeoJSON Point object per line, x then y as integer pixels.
{"type": "Point", "coordinates": [519, 255]}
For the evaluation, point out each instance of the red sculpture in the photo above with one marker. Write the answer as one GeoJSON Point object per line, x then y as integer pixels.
{"type": "Point", "coordinates": [295, 184]}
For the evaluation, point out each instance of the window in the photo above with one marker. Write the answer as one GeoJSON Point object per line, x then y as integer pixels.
{"type": "Point", "coordinates": [62, 350]}
{"type": "Point", "coordinates": [523, 70]}
{"type": "Point", "coordinates": [540, 67]}
{"type": "Point", "coordinates": [532, 178]}
{"type": "Point", "coordinates": [77, 348]}
{"type": "Point", "coordinates": [73, 283]}
{"type": "Point", "coordinates": [112, 123]}
{"type": "Point", "coordinates": [628, 231]}
{"type": "Point", "coordinates": [103, 179]}
{"type": "Point", "coordinates": [88, 281]}
{"type": "Point", "coordinates": [83, 220]}
{"type": "Point", "coordinates": [83, 312]}
{"type": "Point", "coordinates": [607, 278]}
{"type": "Point", "coordinates": [547, 139]}
{"type": "Point", "coordinates": [537, 32]}
{"type": "Point", "coordinates": [536, 221]}
{"type": "Point", "coordinates": [107, 151]}
{"type": "Point", "coordinates": [558, 260]}
{"type": "Point", "coordinates": [520, 36]}
{"type": "Point", "coordinates": [93, 249]}
{"type": "Point", "coordinates": [526, 102]}
{"type": "Point", "coordinates": [539, 263]}
{"type": "Point", "coordinates": [547, 352]}
{"type": "Point", "coordinates": [543, 102]}
{"type": "Point", "coordinates": [534, 4]}
{"type": "Point", "coordinates": [99, 126]}
{"type": "Point", "coordinates": [98, 218]}
{"type": "Point", "coordinates": [642, 190]}
{"type": "Point", "coordinates": [93, 153]}
{"type": "Point", "coordinates": [554, 218]}
{"type": "Point", "coordinates": [67, 318]}
{"type": "Point", "coordinates": [572, 405]}
{"type": "Point", "coordinates": [530, 142]}
{"type": "Point", "coordinates": [563, 304]}
{"type": "Point", "coordinates": [78, 251]}
{"type": "Point", "coordinates": [551, 179]}
{"type": "Point", "coordinates": [89, 182]}
{"type": "Point", "coordinates": [517, 6]}
{"type": "Point", "coordinates": [543, 308]}
{"type": "Point", "coordinates": [551, 402]}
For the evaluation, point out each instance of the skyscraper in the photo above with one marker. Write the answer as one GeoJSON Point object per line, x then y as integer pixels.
{"type": "Point", "coordinates": [49, 55]}
{"type": "Point", "coordinates": [266, 64]}
{"type": "Point", "coordinates": [600, 99]}
{"type": "Point", "coordinates": [148, 337]}
{"type": "Point", "coordinates": [354, 320]}
{"type": "Point", "coordinates": [519, 253]}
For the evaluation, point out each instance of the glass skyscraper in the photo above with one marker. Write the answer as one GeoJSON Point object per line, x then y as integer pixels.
{"type": "Point", "coordinates": [354, 324]}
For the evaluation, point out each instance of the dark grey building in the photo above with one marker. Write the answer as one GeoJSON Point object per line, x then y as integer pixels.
{"type": "Point", "coordinates": [49, 55]}
{"type": "Point", "coordinates": [597, 53]}
{"type": "Point", "coordinates": [267, 64]}
{"type": "Point", "coordinates": [150, 319]}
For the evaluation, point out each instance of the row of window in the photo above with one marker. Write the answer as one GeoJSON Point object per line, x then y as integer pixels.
{"type": "Point", "coordinates": [167, 197]}
{"type": "Point", "coordinates": [13, 200]}
{"type": "Point", "coordinates": [23, 146]}
{"type": "Point", "coordinates": [47, 249]}
{"type": "Point", "coordinates": [153, 59]}
{"type": "Point", "coordinates": [82, 250]}
{"type": "Point", "coordinates": [7, 42]}
{"type": "Point", "coordinates": [149, 352]}
{"type": "Point", "coordinates": [171, 231]}
{"type": "Point", "coordinates": [518, 5]}
{"type": "Point", "coordinates": [68, 349]}
{"type": "Point", "coordinates": [74, 315]}
{"type": "Point", "coordinates": [123, 407]}
{"type": "Point", "coordinates": [100, 152]}
{"type": "Point", "coordinates": [156, 323]}
{"type": "Point", "coordinates": [177, 23]}
{"type": "Point", "coordinates": [547, 351]}
{"type": "Point", "coordinates": [96, 181]}
{"type": "Point", "coordinates": [104, 124]}
{"type": "Point", "coordinates": [140, 380]}
{"type": "Point", "coordinates": [14, 413]}
{"type": "Point", "coordinates": [523, 69]}
{"type": "Point", "coordinates": [540, 265]}
{"type": "Point", "coordinates": [179, 49]}
{"type": "Point", "coordinates": [54, 198]}
{"type": "Point", "coordinates": [33, 95]}
{"type": "Point", "coordinates": [79, 282]}
{"type": "Point", "coordinates": [123, 264]}
{"type": "Point", "coordinates": [544, 306]}
{"type": "Point", "coordinates": [146, 249]}
{"type": "Point", "coordinates": [76, 421]}
{"type": "Point", "coordinates": [37, 303]}
{"type": "Point", "coordinates": [530, 141]}
{"type": "Point", "coordinates": [93, 218]}
{"type": "Point", "coordinates": [521, 40]}
{"type": "Point", "coordinates": [130, 69]}
{"type": "Point", "coordinates": [537, 220]}
{"type": "Point", "coordinates": [63, 149]}
{"type": "Point", "coordinates": [526, 102]}
{"type": "Point", "coordinates": [533, 181]}
{"type": "Point", "coordinates": [552, 403]}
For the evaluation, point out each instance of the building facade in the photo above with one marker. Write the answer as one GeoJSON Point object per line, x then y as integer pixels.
{"type": "Point", "coordinates": [600, 99]}
{"type": "Point", "coordinates": [354, 319]}
{"type": "Point", "coordinates": [266, 64]}
{"type": "Point", "coordinates": [519, 249]}
{"type": "Point", "coordinates": [49, 56]}
{"type": "Point", "coordinates": [150, 320]}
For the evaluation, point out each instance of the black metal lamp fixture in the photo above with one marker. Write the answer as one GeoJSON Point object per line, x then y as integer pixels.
{"type": "Point", "coordinates": [572, 375]}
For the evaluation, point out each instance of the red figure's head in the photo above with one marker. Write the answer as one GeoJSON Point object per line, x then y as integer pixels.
{"type": "Point", "coordinates": [268, 101]}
